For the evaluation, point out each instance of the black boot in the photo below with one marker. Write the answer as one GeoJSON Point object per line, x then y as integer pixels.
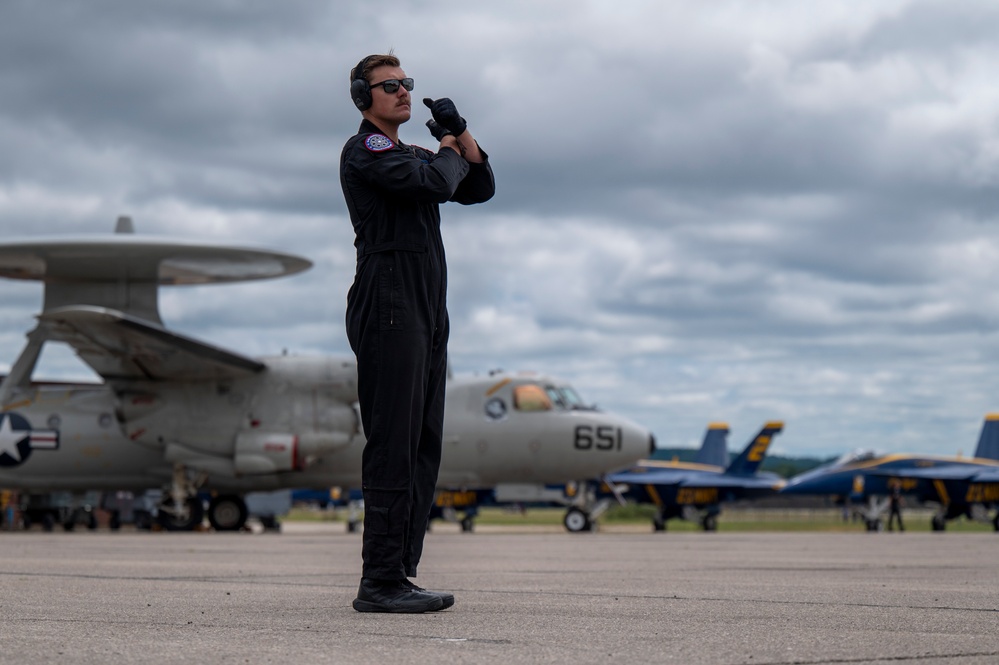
{"type": "Point", "coordinates": [446, 598]}
{"type": "Point", "coordinates": [394, 596]}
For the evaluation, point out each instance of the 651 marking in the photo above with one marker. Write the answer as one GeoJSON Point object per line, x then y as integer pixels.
{"type": "Point", "coordinates": [601, 437]}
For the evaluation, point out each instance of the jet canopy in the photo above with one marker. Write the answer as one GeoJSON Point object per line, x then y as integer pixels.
{"type": "Point", "coordinates": [855, 456]}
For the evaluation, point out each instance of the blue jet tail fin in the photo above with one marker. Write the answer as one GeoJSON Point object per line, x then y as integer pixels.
{"type": "Point", "coordinates": [714, 449]}
{"type": "Point", "coordinates": [988, 441]}
{"type": "Point", "coordinates": [748, 462]}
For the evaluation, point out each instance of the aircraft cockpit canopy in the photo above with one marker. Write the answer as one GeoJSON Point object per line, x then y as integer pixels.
{"type": "Point", "coordinates": [548, 397]}
{"type": "Point", "coordinates": [855, 456]}
{"type": "Point", "coordinates": [568, 398]}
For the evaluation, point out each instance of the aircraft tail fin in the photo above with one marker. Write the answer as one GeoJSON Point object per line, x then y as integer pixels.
{"type": "Point", "coordinates": [124, 225]}
{"type": "Point", "coordinates": [748, 462]}
{"type": "Point", "coordinates": [714, 448]}
{"type": "Point", "coordinates": [988, 441]}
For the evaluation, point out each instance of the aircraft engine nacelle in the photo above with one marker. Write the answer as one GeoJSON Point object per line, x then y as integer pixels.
{"type": "Point", "coordinates": [312, 445]}
{"type": "Point", "coordinates": [259, 452]}
{"type": "Point", "coordinates": [265, 452]}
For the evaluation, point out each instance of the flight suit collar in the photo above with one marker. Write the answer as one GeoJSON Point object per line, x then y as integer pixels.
{"type": "Point", "coordinates": [368, 127]}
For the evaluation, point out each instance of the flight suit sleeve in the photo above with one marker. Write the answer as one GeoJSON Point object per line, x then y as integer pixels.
{"type": "Point", "coordinates": [398, 172]}
{"type": "Point", "coordinates": [479, 185]}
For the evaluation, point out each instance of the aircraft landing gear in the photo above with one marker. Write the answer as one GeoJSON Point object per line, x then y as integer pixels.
{"type": "Point", "coordinates": [355, 515]}
{"type": "Point", "coordinates": [658, 523]}
{"type": "Point", "coordinates": [83, 516]}
{"type": "Point", "coordinates": [270, 523]}
{"type": "Point", "coordinates": [467, 524]}
{"type": "Point", "coordinates": [227, 512]}
{"type": "Point", "coordinates": [709, 523]}
{"type": "Point", "coordinates": [584, 511]}
{"type": "Point", "coordinates": [183, 517]}
{"type": "Point", "coordinates": [181, 509]}
{"type": "Point", "coordinates": [874, 524]}
{"type": "Point", "coordinates": [939, 523]}
{"type": "Point", "coordinates": [576, 521]}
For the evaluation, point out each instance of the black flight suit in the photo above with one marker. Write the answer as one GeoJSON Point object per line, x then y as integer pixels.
{"type": "Point", "coordinates": [397, 325]}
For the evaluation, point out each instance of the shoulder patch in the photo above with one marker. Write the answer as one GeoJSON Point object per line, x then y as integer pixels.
{"type": "Point", "coordinates": [378, 143]}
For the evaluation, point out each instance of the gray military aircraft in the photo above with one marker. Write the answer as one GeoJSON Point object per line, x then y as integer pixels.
{"type": "Point", "coordinates": [179, 414]}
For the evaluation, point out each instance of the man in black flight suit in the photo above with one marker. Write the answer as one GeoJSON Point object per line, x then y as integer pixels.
{"type": "Point", "coordinates": [397, 321]}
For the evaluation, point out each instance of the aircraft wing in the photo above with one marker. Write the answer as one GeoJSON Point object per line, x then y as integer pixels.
{"type": "Point", "coordinates": [652, 477]}
{"type": "Point", "coordinates": [989, 474]}
{"type": "Point", "coordinates": [944, 472]}
{"type": "Point", "coordinates": [686, 478]}
{"type": "Point", "coordinates": [119, 346]}
{"type": "Point", "coordinates": [725, 481]}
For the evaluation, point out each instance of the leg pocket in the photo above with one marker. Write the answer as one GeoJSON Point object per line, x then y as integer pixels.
{"type": "Point", "coordinates": [376, 520]}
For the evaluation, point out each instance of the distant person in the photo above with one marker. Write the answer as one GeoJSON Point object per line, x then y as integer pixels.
{"type": "Point", "coordinates": [397, 320]}
{"type": "Point", "coordinates": [895, 504]}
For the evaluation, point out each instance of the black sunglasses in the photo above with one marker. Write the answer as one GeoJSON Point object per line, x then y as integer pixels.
{"type": "Point", "coordinates": [392, 85]}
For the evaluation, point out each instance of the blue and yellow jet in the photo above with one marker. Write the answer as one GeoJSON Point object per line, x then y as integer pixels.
{"type": "Point", "coordinates": [695, 491]}
{"type": "Point", "coordinates": [958, 485]}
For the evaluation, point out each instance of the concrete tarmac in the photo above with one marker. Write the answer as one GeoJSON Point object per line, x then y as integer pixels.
{"type": "Point", "coordinates": [525, 597]}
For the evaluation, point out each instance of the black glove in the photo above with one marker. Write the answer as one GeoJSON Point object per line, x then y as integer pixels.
{"type": "Point", "coordinates": [437, 131]}
{"type": "Point", "coordinates": [446, 115]}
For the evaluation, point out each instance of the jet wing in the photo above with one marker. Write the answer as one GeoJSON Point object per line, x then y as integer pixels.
{"type": "Point", "coordinates": [723, 481]}
{"type": "Point", "coordinates": [119, 346]}
{"type": "Point", "coordinates": [684, 478]}
{"type": "Point", "coordinates": [945, 472]}
{"type": "Point", "coordinates": [653, 477]}
{"type": "Point", "coordinates": [989, 474]}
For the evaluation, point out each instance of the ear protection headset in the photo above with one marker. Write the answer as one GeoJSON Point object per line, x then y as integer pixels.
{"type": "Point", "coordinates": [360, 89]}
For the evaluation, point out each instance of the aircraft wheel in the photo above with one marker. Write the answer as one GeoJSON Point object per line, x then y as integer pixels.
{"type": "Point", "coordinates": [143, 520]}
{"type": "Point", "coordinates": [995, 522]}
{"type": "Point", "coordinates": [270, 523]}
{"type": "Point", "coordinates": [709, 523]}
{"type": "Point", "coordinates": [227, 512]}
{"type": "Point", "coordinates": [170, 522]}
{"type": "Point", "coordinates": [48, 522]}
{"type": "Point", "coordinates": [658, 524]}
{"type": "Point", "coordinates": [576, 521]}
{"type": "Point", "coordinates": [352, 526]}
{"type": "Point", "coordinates": [467, 524]}
{"type": "Point", "coordinates": [938, 523]}
{"type": "Point", "coordinates": [114, 522]}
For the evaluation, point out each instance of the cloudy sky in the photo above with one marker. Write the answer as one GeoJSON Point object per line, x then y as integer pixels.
{"type": "Point", "coordinates": [724, 211]}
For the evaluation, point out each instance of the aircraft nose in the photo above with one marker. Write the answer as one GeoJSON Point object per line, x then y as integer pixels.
{"type": "Point", "coordinates": [639, 442]}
